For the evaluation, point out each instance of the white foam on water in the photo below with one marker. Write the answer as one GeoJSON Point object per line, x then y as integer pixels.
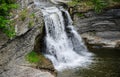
{"type": "Point", "coordinates": [64, 49]}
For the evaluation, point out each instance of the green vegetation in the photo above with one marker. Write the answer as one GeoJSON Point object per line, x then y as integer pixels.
{"type": "Point", "coordinates": [5, 24]}
{"type": "Point", "coordinates": [97, 5]}
{"type": "Point", "coordinates": [23, 14]}
{"type": "Point", "coordinates": [33, 57]}
{"type": "Point", "coordinates": [31, 22]}
{"type": "Point", "coordinates": [116, 0]}
{"type": "Point", "coordinates": [80, 15]}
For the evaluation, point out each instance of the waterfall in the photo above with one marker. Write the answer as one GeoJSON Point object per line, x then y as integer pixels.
{"type": "Point", "coordinates": [63, 45]}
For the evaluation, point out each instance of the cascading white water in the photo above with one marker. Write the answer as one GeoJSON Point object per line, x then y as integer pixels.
{"type": "Point", "coordinates": [63, 45]}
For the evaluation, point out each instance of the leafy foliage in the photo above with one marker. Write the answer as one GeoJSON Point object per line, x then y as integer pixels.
{"type": "Point", "coordinates": [5, 23]}
{"type": "Point", "coordinates": [98, 5]}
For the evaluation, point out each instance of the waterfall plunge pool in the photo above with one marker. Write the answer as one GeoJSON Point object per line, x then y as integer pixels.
{"type": "Point", "coordinates": [106, 63]}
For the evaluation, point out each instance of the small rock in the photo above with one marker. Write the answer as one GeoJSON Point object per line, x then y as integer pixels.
{"type": "Point", "coordinates": [118, 45]}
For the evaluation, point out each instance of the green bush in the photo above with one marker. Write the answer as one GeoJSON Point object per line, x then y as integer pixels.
{"type": "Point", "coordinates": [5, 23]}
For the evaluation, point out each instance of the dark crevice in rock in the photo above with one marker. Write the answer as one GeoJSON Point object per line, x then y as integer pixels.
{"type": "Point", "coordinates": [39, 42]}
{"type": "Point", "coordinates": [52, 71]}
{"type": "Point", "coordinates": [31, 3]}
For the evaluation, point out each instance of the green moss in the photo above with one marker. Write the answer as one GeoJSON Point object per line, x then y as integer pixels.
{"type": "Point", "coordinates": [32, 15]}
{"type": "Point", "coordinates": [39, 61]}
{"type": "Point", "coordinates": [80, 15]}
{"type": "Point", "coordinates": [24, 14]}
{"type": "Point", "coordinates": [33, 57]}
{"type": "Point", "coordinates": [31, 21]}
{"type": "Point", "coordinates": [36, 58]}
{"type": "Point", "coordinates": [72, 3]}
{"type": "Point", "coordinates": [31, 24]}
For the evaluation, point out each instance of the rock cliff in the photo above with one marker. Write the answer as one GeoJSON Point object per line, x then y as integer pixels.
{"type": "Point", "coordinates": [28, 22]}
{"type": "Point", "coordinates": [100, 30]}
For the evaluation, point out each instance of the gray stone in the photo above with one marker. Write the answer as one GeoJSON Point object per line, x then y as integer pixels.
{"type": "Point", "coordinates": [100, 29]}
{"type": "Point", "coordinates": [23, 71]}
{"type": "Point", "coordinates": [12, 52]}
{"type": "Point", "coordinates": [107, 21]}
{"type": "Point", "coordinates": [3, 38]}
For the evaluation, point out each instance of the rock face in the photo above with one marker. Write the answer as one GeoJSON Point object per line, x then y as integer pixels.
{"type": "Point", "coordinates": [23, 71]}
{"type": "Point", "coordinates": [107, 21]}
{"type": "Point", "coordinates": [59, 1]}
{"type": "Point", "coordinates": [3, 39]}
{"type": "Point", "coordinates": [29, 24]}
{"type": "Point", "coordinates": [101, 28]}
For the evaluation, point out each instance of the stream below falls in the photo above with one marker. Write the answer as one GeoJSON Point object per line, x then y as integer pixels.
{"type": "Point", "coordinates": [106, 63]}
{"type": "Point", "coordinates": [66, 50]}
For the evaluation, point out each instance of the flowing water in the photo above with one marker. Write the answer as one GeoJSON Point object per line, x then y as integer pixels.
{"type": "Point", "coordinates": [63, 45]}
{"type": "Point", "coordinates": [106, 63]}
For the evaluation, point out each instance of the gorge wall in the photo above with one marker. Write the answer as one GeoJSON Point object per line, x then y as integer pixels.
{"type": "Point", "coordinates": [28, 22]}
{"type": "Point", "coordinates": [101, 29]}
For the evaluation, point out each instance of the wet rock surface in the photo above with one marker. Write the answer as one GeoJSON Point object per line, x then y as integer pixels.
{"type": "Point", "coordinates": [107, 21]}
{"type": "Point", "coordinates": [97, 41]}
{"type": "Point", "coordinates": [23, 71]}
{"type": "Point", "coordinates": [101, 29]}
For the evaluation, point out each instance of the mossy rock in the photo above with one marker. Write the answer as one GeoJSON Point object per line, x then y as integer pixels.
{"type": "Point", "coordinates": [33, 57]}
{"type": "Point", "coordinates": [40, 62]}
